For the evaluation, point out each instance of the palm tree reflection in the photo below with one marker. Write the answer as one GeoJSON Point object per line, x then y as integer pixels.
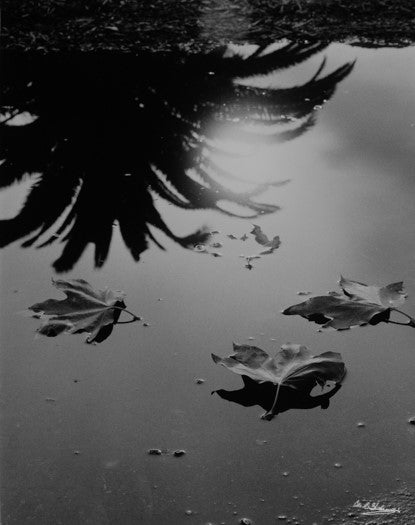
{"type": "Point", "coordinates": [263, 395]}
{"type": "Point", "coordinates": [111, 130]}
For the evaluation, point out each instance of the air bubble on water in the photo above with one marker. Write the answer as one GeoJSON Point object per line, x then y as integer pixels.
{"type": "Point", "coordinates": [361, 424]}
{"type": "Point", "coordinates": [189, 512]}
{"type": "Point", "coordinates": [338, 465]}
{"type": "Point", "coordinates": [179, 453]}
{"type": "Point", "coordinates": [285, 474]}
{"type": "Point", "coordinates": [199, 381]}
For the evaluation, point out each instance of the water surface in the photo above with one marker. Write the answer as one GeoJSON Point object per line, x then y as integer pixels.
{"type": "Point", "coordinates": [78, 420]}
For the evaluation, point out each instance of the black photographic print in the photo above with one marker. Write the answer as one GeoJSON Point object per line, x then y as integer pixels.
{"type": "Point", "coordinates": [233, 180]}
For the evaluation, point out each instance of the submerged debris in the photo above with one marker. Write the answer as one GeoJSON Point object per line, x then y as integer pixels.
{"type": "Point", "coordinates": [154, 452]}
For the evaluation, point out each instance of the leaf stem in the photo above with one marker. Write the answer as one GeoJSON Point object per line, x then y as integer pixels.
{"type": "Point", "coordinates": [270, 414]}
{"type": "Point", "coordinates": [411, 319]}
{"type": "Point", "coordinates": [134, 317]}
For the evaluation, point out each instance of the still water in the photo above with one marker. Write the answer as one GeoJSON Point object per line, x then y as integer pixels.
{"type": "Point", "coordinates": [155, 150]}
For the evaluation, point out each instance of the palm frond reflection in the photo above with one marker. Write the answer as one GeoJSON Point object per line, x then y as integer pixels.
{"type": "Point", "coordinates": [109, 130]}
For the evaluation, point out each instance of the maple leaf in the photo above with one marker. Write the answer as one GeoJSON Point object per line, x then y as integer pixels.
{"type": "Point", "coordinates": [293, 366]}
{"type": "Point", "coordinates": [358, 305]}
{"type": "Point", "coordinates": [83, 310]}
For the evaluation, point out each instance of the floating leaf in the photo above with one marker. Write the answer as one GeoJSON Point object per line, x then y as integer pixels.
{"type": "Point", "coordinates": [358, 305]}
{"type": "Point", "coordinates": [83, 310]}
{"type": "Point", "coordinates": [262, 239]}
{"type": "Point", "coordinates": [273, 245]}
{"type": "Point", "coordinates": [293, 366]}
{"type": "Point", "coordinates": [391, 295]}
{"type": "Point", "coordinates": [259, 235]}
{"type": "Point", "coordinates": [232, 236]}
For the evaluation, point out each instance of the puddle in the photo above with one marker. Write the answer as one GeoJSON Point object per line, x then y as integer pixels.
{"type": "Point", "coordinates": [128, 171]}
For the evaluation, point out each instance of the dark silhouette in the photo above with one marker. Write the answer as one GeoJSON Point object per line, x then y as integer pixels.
{"type": "Point", "coordinates": [263, 395]}
{"type": "Point", "coordinates": [114, 129]}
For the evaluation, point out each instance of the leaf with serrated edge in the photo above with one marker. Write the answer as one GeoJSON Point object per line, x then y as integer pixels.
{"type": "Point", "coordinates": [391, 295]}
{"type": "Point", "coordinates": [293, 365]}
{"type": "Point", "coordinates": [359, 305]}
{"type": "Point", "coordinates": [338, 313]}
{"type": "Point", "coordinates": [83, 310]}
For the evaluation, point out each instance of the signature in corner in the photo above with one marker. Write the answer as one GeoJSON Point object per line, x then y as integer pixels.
{"type": "Point", "coordinates": [374, 509]}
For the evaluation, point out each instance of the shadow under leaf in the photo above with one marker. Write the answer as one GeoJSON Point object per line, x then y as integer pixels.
{"type": "Point", "coordinates": [263, 395]}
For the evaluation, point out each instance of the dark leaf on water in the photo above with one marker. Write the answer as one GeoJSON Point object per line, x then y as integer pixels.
{"type": "Point", "coordinates": [293, 366]}
{"type": "Point", "coordinates": [358, 305]}
{"type": "Point", "coordinates": [83, 310]}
